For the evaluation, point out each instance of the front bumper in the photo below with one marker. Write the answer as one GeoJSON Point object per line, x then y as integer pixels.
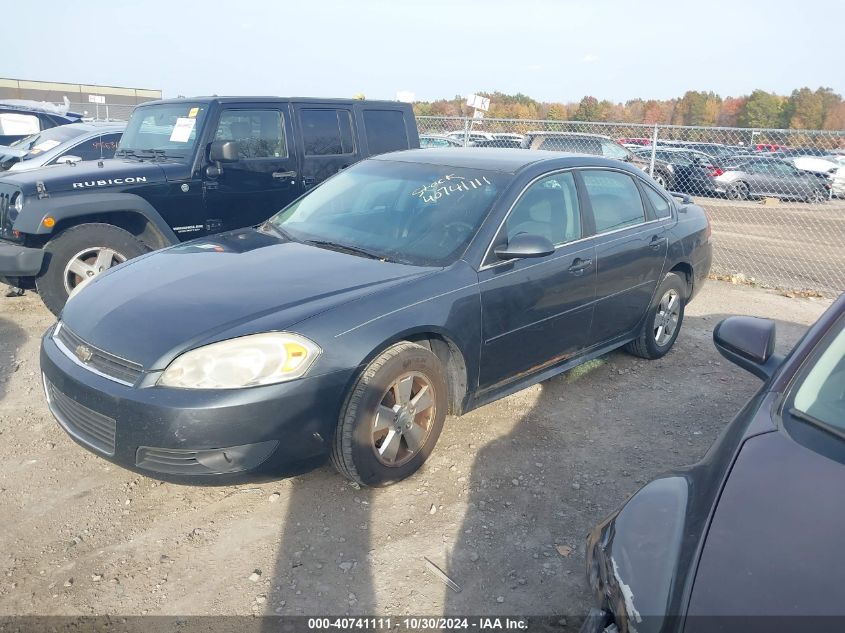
{"type": "Point", "coordinates": [19, 261]}
{"type": "Point", "coordinates": [195, 436]}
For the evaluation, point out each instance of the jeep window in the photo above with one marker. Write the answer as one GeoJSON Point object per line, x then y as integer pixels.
{"type": "Point", "coordinates": [15, 123]}
{"type": "Point", "coordinates": [259, 133]}
{"type": "Point", "coordinates": [326, 132]}
{"type": "Point", "coordinates": [414, 213]}
{"type": "Point", "coordinates": [94, 148]}
{"type": "Point", "coordinates": [386, 131]}
{"type": "Point", "coordinates": [170, 128]}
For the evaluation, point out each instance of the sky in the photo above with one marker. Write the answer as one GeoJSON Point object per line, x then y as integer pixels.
{"type": "Point", "coordinates": [557, 50]}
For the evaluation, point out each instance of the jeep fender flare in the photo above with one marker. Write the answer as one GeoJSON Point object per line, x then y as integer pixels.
{"type": "Point", "coordinates": [77, 205]}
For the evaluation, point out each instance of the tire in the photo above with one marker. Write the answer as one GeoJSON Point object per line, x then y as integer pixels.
{"type": "Point", "coordinates": [652, 343]}
{"type": "Point", "coordinates": [662, 179]}
{"type": "Point", "coordinates": [81, 243]}
{"type": "Point", "coordinates": [361, 450]}
{"type": "Point", "coordinates": [817, 196]}
{"type": "Point", "coordinates": [738, 191]}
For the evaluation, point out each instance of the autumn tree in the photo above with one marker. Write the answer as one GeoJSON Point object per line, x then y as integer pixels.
{"type": "Point", "coordinates": [588, 110]}
{"type": "Point", "coordinates": [762, 109]}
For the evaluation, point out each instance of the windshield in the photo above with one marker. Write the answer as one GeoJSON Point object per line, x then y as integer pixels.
{"type": "Point", "coordinates": [821, 395]}
{"type": "Point", "coordinates": [169, 129]}
{"type": "Point", "coordinates": [414, 213]}
{"type": "Point", "coordinates": [46, 140]}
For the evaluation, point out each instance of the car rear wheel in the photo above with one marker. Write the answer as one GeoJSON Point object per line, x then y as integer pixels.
{"type": "Point", "coordinates": [738, 191]}
{"type": "Point", "coordinates": [663, 321]}
{"type": "Point", "coordinates": [392, 417]}
{"type": "Point", "coordinates": [661, 179]}
{"type": "Point", "coordinates": [817, 196]}
{"type": "Point", "coordinates": [79, 254]}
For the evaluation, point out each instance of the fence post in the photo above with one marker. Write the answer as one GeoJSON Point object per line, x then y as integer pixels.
{"type": "Point", "coordinates": [653, 152]}
{"type": "Point", "coordinates": [466, 131]}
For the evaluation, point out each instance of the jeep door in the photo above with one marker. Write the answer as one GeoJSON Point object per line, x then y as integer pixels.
{"type": "Point", "coordinates": [328, 141]}
{"type": "Point", "coordinates": [263, 179]}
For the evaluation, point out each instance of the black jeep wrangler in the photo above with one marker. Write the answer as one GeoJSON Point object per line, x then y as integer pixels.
{"type": "Point", "coordinates": [185, 168]}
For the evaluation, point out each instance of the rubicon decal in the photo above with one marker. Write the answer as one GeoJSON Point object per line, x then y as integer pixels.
{"type": "Point", "coordinates": [111, 181]}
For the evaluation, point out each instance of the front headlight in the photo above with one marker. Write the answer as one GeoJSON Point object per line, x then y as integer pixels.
{"type": "Point", "coordinates": [16, 207]}
{"type": "Point", "coordinates": [248, 361]}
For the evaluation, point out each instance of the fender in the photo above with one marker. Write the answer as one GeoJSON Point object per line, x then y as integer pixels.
{"type": "Point", "coordinates": [65, 207]}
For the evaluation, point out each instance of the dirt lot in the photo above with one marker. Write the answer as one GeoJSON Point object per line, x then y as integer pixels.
{"type": "Point", "coordinates": [506, 485]}
{"type": "Point", "coordinates": [791, 245]}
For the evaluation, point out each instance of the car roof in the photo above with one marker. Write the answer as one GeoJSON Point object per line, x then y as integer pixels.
{"type": "Point", "coordinates": [569, 135]}
{"type": "Point", "coordinates": [269, 99]}
{"type": "Point", "coordinates": [494, 159]}
{"type": "Point", "coordinates": [97, 126]}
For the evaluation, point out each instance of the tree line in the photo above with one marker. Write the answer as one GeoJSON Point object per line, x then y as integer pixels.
{"type": "Point", "coordinates": [805, 108]}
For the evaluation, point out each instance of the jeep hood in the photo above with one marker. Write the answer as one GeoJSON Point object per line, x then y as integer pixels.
{"type": "Point", "coordinates": [152, 308]}
{"type": "Point", "coordinates": [90, 176]}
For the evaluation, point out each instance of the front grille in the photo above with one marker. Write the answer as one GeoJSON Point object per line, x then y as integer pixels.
{"type": "Point", "coordinates": [7, 195]}
{"type": "Point", "coordinates": [87, 426]}
{"type": "Point", "coordinates": [96, 360]}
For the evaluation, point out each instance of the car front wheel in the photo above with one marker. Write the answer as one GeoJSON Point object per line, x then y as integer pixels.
{"type": "Point", "coordinates": [663, 321]}
{"type": "Point", "coordinates": [79, 254]}
{"type": "Point", "coordinates": [392, 417]}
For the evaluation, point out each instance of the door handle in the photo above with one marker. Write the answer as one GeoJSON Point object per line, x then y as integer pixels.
{"type": "Point", "coordinates": [656, 242]}
{"type": "Point", "coordinates": [580, 265]}
{"type": "Point", "coordinates": [309, 181]}
{"type": "Point", "coordinates": [284, 174]}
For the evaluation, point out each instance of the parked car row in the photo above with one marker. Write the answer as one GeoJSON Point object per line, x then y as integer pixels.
{"type": "Point", "coordinates": [70, 143]}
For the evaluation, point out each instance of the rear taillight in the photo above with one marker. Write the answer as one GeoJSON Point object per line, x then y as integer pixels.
{"type": "Point", "coordinates": [716, 172]}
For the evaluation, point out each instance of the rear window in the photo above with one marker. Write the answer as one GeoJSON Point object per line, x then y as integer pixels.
{"type": "Point", "coordinates": [386, 131]}
{"type": "Point", "coordinates": [578, 145]}
{"type": "Point", "coordinates": [326, 132]}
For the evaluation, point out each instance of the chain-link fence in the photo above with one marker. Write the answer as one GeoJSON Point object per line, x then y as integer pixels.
{"type": "Point", "coordinates": [776, 198]}
{"type": "Point", "coordinates": [102, 111]}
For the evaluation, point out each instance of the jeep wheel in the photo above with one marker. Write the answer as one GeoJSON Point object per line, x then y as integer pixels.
{"type": "Point", "coordinates": [77, 255]}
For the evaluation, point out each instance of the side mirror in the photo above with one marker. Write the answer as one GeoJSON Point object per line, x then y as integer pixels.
{"type": "Point", "coordinates": [523, 245]}
{"type": "Point", "coordinates": [67, 159]}
{"type": "Point", "coordinates": [223, 152]}
{"type": "Point", "coordinates": [750, 343]}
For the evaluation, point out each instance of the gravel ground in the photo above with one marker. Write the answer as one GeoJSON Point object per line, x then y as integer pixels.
{"type": "Point", "coordinates": [508, 491]}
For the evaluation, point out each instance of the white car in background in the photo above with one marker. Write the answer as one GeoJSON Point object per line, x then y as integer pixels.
{"type": "Point", "coordinates": [833, 167]}
{"type": "Point", "coordinates": [69, 143]}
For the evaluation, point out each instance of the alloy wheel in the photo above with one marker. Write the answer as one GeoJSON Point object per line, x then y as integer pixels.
{"type": "Point", "coordinates": [86, 265]}
{"type": "Point", "coordinates": [666, 319]}
{"type": "Point", "coordinates": [403, 419]}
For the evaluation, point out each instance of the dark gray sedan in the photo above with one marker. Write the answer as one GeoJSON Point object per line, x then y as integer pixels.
{"type": "Point", "coordinates": [748, 177]}
{"type": "Point", "coordinates": [753, 530]}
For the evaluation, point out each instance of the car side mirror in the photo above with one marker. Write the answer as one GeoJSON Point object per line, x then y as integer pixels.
{"type": "Point", "coordinates": [525, 245]}
{"type": "Point", "coordinates": [223, 152]}
{"type": "Point", "coordinates": [67, 159]}
{"type": "Point", "coordinates": [748, 342]}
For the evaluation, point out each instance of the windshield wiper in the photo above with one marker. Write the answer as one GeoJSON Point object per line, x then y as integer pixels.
{"type": "Point", "coordinates": [810, 419]}
{"type": "Point", "coordinates": [126, 152]}
{"type": "Point", "coordinates": [156, 153]}
{"type": "Point", "coordinates": [355, 250]}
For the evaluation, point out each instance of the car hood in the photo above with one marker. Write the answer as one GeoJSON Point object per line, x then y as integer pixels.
{"type": "Point", "coordinates": [89, 175]}
{"type": "Point", "coordinates": [775, 543]}
{"type": "Point", "coordinates": [153, 308]}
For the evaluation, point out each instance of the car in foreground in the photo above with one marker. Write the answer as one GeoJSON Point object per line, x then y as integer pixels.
{"type": "Point", "coordinates": [748, 177]}
{"type": "Point", "coordinates": [750, 537]}
{"type": "Point", "coordinates": [20, 118]}
{"type": "Point", "coordinates": [350, 323]}
{"type": "Point", "coordinates": [428, 141]}
{"type": "Point", "coordinates": [692, 171]}
{"type": "Point", "coordinates": [72, 143]}
{"type": "Point", "coordinates": [599, 146]}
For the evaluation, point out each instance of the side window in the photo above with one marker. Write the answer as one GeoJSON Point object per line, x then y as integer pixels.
{"type": "Point", "coordinates": [259, 133]}
{"type": "Point", "coordinates": [660, 204]}
{"type": "Point", "coordinates": [17, 124]}
{"type": "Point", "coordinates": [610, 149]}
{"type": "Point", "coordinates": [385, 131]}
{"type": "Point", "coordinates": [326, 132]}
{"type": "Point", "coordinates": [615, 199]}
{"type": "Point", "coordinates": [549, 208]}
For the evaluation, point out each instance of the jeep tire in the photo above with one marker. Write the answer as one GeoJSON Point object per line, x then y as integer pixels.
{"type": "Point", "coordinates": [77, 255]}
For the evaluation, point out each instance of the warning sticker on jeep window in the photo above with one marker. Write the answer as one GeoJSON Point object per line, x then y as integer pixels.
{"type": "Point", "coordinates": [182, 130]}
